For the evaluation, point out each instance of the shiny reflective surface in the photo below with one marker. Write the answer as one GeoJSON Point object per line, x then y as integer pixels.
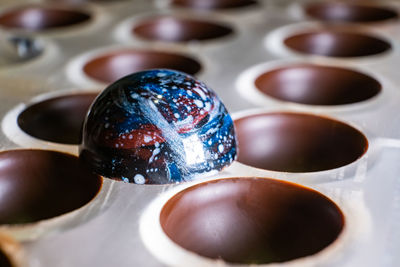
{"type": "Point", "coordinates": [334, 43]}
{"type": "Point", "coordinates": [57, 119]}
{"type": "Point", "coordinates": [39, 184]}
{"type": "Point", "coordinates": [317, 85]}
{"type": "Point", "coordinates": [175, 29]}
{"type": "Point", "coordinates": [37, 18]}
{"type": "Point", "coordinates": [251, 220]}
{"type": "Point", "coordinates": [349, 12]}
{"type": "Point", "coordinates": [296, 142]}
{"type": "Point", "coordinates": [157, 127]}
{"type": "Point", "coordinates": [112, 66]}
{"type": "Point", "coordinates": [214, 4]}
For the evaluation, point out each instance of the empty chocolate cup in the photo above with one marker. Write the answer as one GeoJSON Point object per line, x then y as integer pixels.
{"type": "Point", "coordinates": [349, 12]}
{"type": "Point", "coordinates": [297, 142]}
{"type": "Point", "coordinates": [37, 185]}
{"type": "Point", "coordinates": [109, 67]}
{"type": "Point", "coordinates": [57, 119]}
{"type": "Point", "coordinates": [175, 29]}
{"type": "Point", "coordinates": [244, 220]}
{"type": "Point", "coordinates": [50, 121]}
{"type": "Point", "coordinates": [39, 18]}
{"type": "Point", "coordinates": [250, 220]}
{"type": "Point", "coordinates": [333, 43]}
{"type": "Point", "coordinates": [317, 85]}
{"type": "Point", "coordinates": [214, 4]}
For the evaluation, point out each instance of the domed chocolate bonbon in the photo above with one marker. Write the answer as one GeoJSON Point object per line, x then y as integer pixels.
{"type": "Point", "coordinates": [157, 127]}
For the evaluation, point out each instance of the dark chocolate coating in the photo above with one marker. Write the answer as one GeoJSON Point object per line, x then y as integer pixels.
{"type": "Point", "coordinates": [36, 18]}
{"type": "Point", "coordinates": [157, 127]}
{"type": "Point", "coordinates": [40, 184]}
{"type": "Point", "coordinates": [333, 43]}
{"type": "Point", "coordinates": [317, 85]}
{"type": "Point", "coordinates": [349, 12]}
{"type": "Point", "coordinates": [296, 142]}
{"type": "Point", "coordinates": [4, 260]}
{"type": "Point", "coordinates": [174, 29]}
{"type": "Point", "coordinates": [214, 4]}
{"type": "Point", "coordinates": [113, 66]}
{"type": "Point", "coordinates": [251, 220]}
{"type": "Point", "coordinates": [58, 119]}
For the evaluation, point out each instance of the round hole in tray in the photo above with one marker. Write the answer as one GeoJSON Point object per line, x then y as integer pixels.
{"type": "Point", "coordinates": [42, 184]}
{"type": "Point", "coordinates": [112, 66]}
{"type": "Point", "coordinates": [174, 29]}
{"type": "Point", "coordinates": [317, 85]}
{"type": "Point", "coordinates": [348, 12]}
{"type": "Point", "coordinates": [214, 4]}
{"type": "Point", "coordinates": [57, 119]}
{"type": "Point", "coordinates": [336, 44]}
{"type": "Point", "coordinates": [296, 142]}
{"type": "Point", "coordinates": [251, 220]}
{"type": "Point", "coordinates": [36, 18]}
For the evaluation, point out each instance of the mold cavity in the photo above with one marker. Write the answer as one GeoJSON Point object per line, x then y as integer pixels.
{"type": "Point", "coordinates": [336, 44]}
{"type": "Point", "coordinates": [214, 4]}
{"type": "Point", "coordinates": [317, 85]}
{"type": "Point", "coordinates": [57, 119]}
{"type": "Point", "coordinates": [112, 66]}
{"type": "Point", "coordinates": [347, 12]}
{"type": "Point", "coordinates": [39, 184]}
{"type": "Point", "coordinates": [36, 18]}
{"type": "Point", "coordinates": [251, 220]}
{"type": "Point", "coordinates": [174, 29]}
{"type": "Point", "coordinates": [295, 142]}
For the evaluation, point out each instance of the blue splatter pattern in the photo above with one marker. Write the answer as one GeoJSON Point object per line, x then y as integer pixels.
{"type": "Point", "coordinates": [157, 127]}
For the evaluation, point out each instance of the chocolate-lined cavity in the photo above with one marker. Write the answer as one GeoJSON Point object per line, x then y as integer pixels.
{"type": "Point", "coordinates": [112, 66]}
{"type": "Point", "coordinates": [295, 142]}
{"type": "Point", "coordinates": [40, 184]}
{"type": "Point", "coordinates": [36, 18]}
{"type": "Point", "coordinates": [251, 220]}
{"type": "Point", "coordinates": [57, 119]}
{"type": "Point", "coordinates": [337, 44]}
{"type": "Point", "coordinates": [317, 85]}
{"type": "Point", "coordinates": [214, 4]}
{"type": "Point", "coordinates": [174, 29]}
{"type": "Point", "coordinates": [348, 12]}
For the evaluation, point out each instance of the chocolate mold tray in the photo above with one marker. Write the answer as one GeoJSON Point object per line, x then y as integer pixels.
{"type": "Point", "coordinates": [273, 43]}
